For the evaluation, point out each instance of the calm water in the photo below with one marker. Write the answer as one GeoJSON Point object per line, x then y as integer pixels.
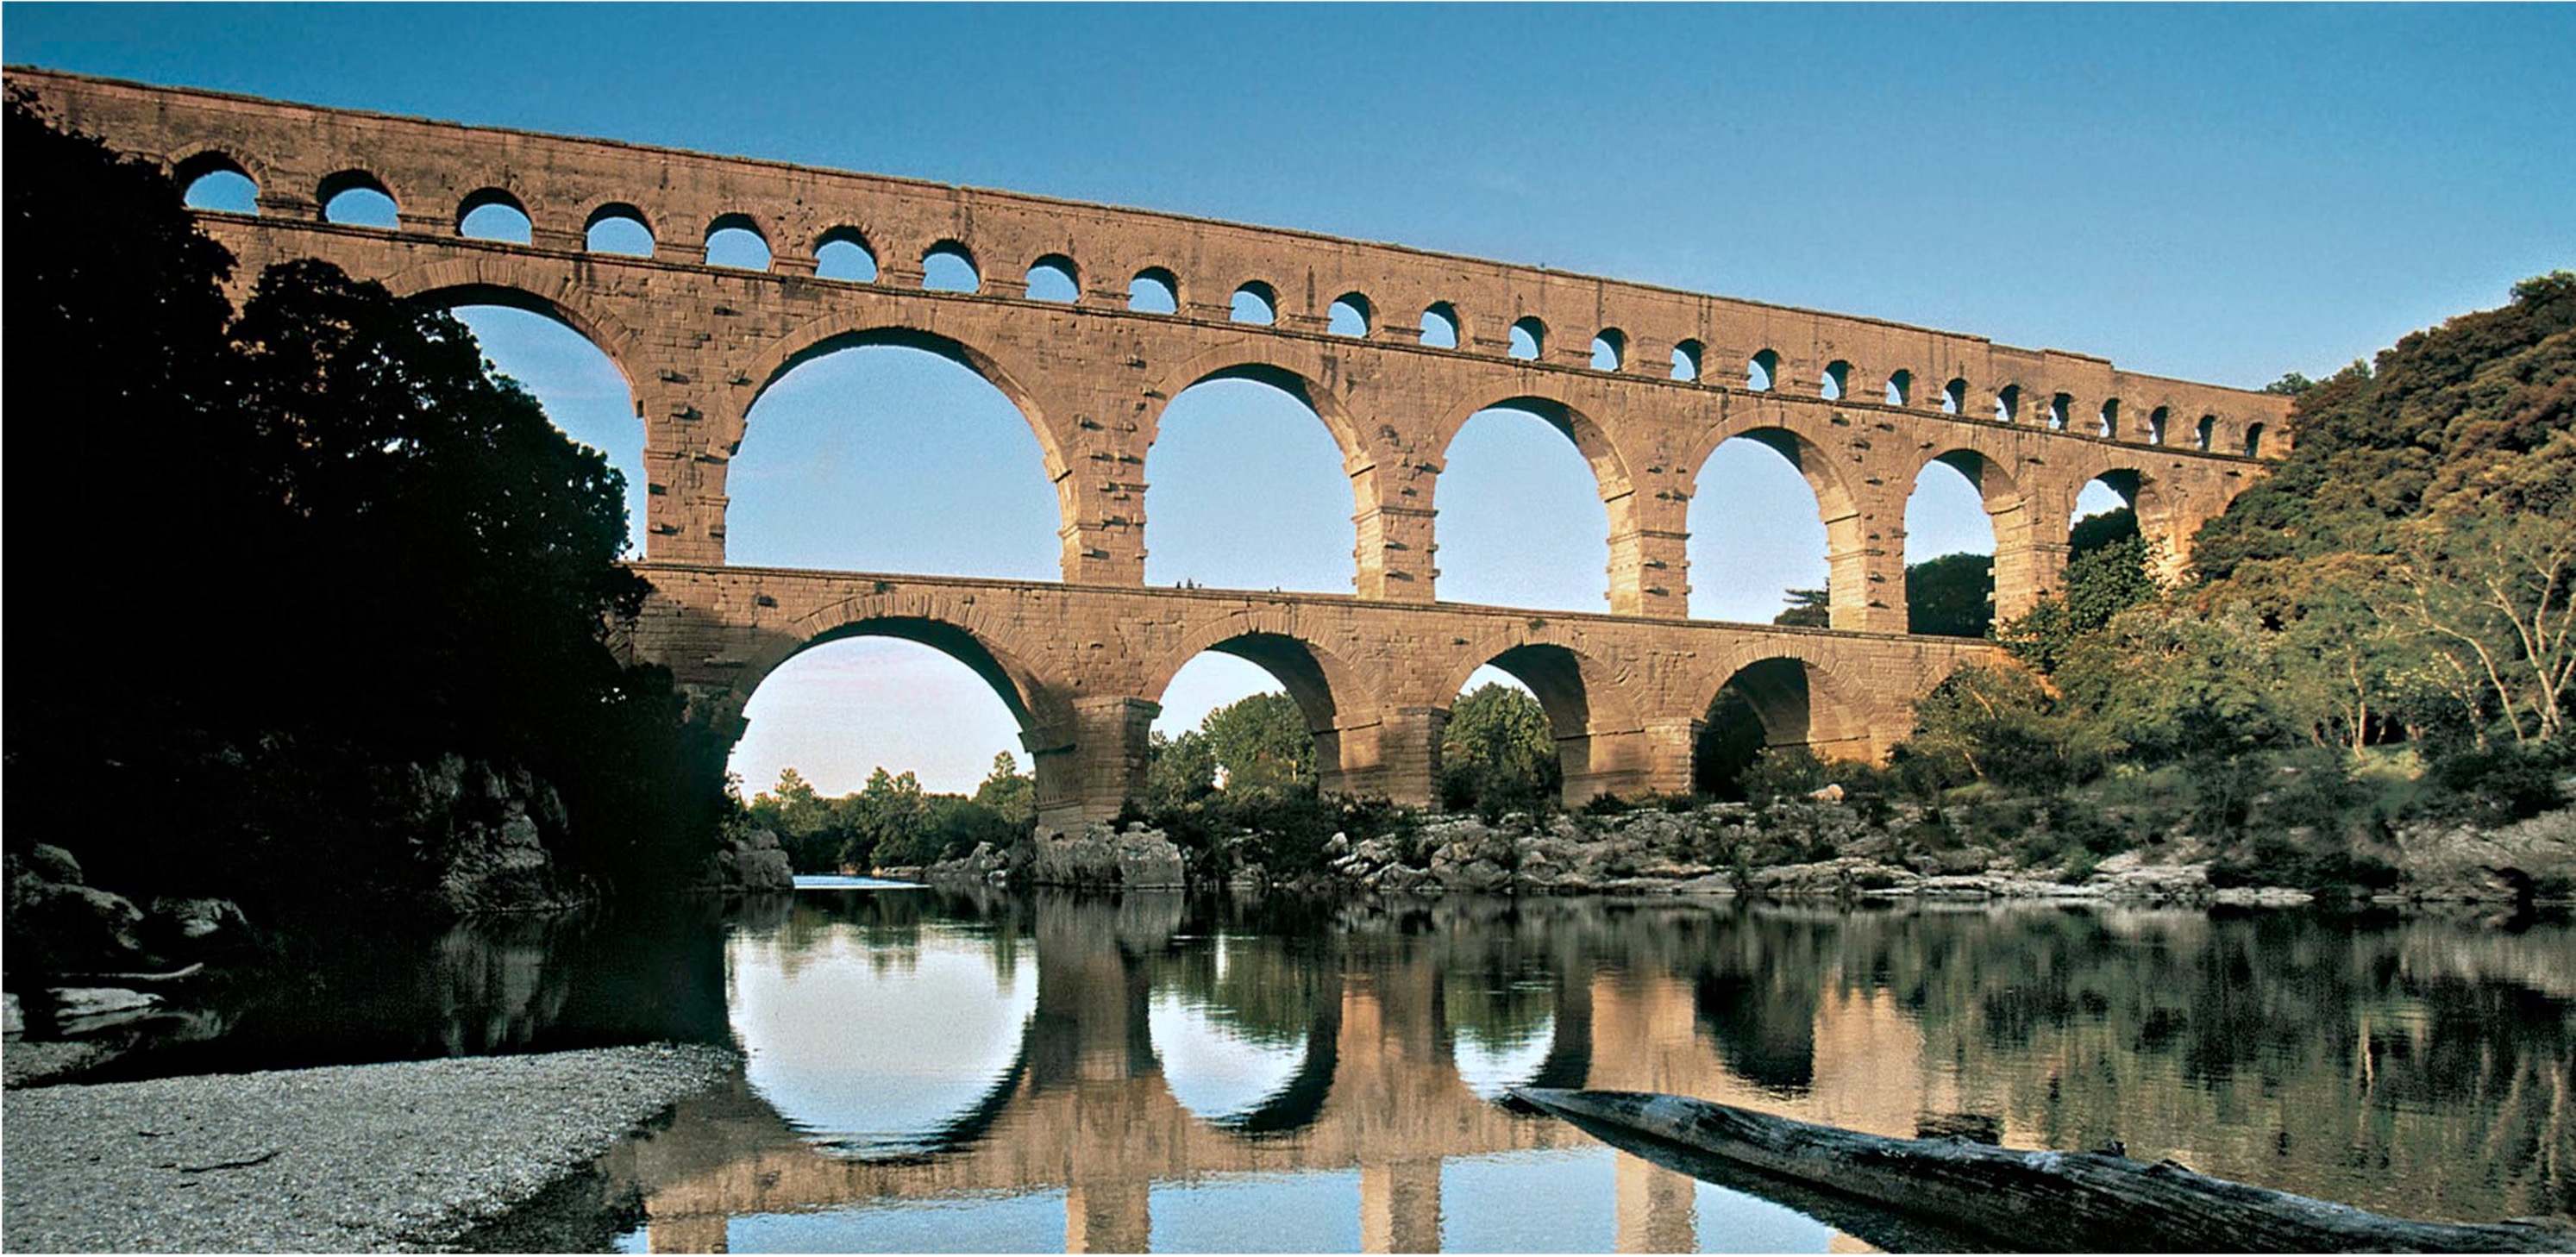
{"type": "Point", "coordinates": [934, 1071]}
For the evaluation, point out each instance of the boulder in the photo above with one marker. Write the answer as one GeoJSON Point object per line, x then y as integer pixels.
{"type": "Point", "coordinates": [747, 864]}
{"type": "Point", "coordinates": [54, 864]}
{"type": "Point", "coordinates": [13, 1020]}
{"type": "Point", "coordinates": [198, 924]}
{"type": "Point", "coordinates": [80, 1009]}
{"type": "Point", "coordinates": [1139, 859]}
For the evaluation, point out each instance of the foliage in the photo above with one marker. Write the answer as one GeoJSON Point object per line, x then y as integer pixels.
{"type": "Point", "coordinates": [1498, 753]}
{"type": "Point", "coordinates": [1261, 743]}
{"type": "Point", "coordinates": [2000, 724]}
{"type": "Point", "coordinates": [1808, 608]}
{"type": "Point", "coordinates": [1011, 795]}
{"type": "Point", "coordinates": [1178, 770]}
{"type": "Point", "coordinates": [1952, 596]}
{"type": "Point", "coordinates": [414, 561]}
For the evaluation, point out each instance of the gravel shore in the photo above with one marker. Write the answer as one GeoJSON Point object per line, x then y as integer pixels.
{"type": "Point", "coordinates": [395, 1157]}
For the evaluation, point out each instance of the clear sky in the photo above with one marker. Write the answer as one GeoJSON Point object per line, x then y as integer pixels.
{"type": "Point", "coordinates": [2213, 192]}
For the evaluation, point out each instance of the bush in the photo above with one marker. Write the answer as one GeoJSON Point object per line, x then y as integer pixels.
{"type": "Point", "coordinates": [2503, 782]}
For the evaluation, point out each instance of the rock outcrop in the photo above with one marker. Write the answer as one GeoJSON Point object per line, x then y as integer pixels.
{"type": "Point", "coordinates": [747, 864]}
{"type": "Point", "coordinates": [1105, 859]}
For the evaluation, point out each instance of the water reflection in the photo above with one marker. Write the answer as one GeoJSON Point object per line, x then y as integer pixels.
{"type": "Point", "coordinates": [1148, 1072]}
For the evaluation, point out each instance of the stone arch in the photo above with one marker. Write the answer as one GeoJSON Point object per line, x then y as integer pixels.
{"type": "Point", "coordinates": [2022, 572]}
{"type": "Point", "coordinates": [1600, 737]}
{"type": "Point", "coordinates": [208, 159]}
{"type": "Point", "coordinates": [1837, 506]}
{"type": "Point", "coordinates": [2161, 519]}
{"type": "Point", "coordinates": [1609, 466]}
{"type": "Point", "coordinates": [510, 281]}
{"type": "Point", "coordinates": [1340, 703]}
{"type": "Point", "coordinates": [1292, 367]}
{"type": "Point", "coordinates": [1796, 699]}
{"type": "Point", "coordinates": [356, 179]}
{"type": "Point", "coordinates": [833, 334]}
{"type": "Point", "coordinates": [605, 210]}
{"type": "Point", "coordinates": [943, 621]}
{"type": "Point", "coordinates": [489, 195]}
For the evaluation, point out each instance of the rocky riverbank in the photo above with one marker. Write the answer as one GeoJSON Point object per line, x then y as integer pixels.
{"type": "Point", "coordinates": [365, 1158]}
{"type": "Point", "coordinates": [1805, 849]}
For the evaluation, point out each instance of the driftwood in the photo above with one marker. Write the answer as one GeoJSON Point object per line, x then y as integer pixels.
{"type": "Point", "coordinates": [2069, 1201]}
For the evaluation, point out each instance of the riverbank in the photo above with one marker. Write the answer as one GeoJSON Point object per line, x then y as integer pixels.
{"type": "Point", "coordinates": [365, 1158]}
{"type": "Point", "coordinates": [1814, 848]}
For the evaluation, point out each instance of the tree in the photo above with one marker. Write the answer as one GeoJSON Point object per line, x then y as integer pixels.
{"type": "Point", "coordinates": [1953, 595]}
{"type": "Point", "coordinates": [1261, 743]}
{"type": "Point", "coordinates": [1499, 749]}
{"type": "Point", "coordinates": [1808, 608]}
{"type": "Point", "coordinates": [1178, 770]}
{"type": "Point", "coordinates": [2493, 598]}
{"type": "Point", "coordinates": [1012, 796]}
{"type": "Point", "coordinates": [2001, 724]}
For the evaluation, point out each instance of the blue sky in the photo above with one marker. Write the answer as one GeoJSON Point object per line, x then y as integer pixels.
{"type": "Point", "coordinates": [2213, 192]}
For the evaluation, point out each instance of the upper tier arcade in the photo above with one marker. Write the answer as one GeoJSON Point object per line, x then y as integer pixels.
{"type": "Point", "coordinates": [1860, 406]}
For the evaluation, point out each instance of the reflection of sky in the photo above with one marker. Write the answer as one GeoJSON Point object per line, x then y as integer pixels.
{"type": "Point", "coordinates": [1258, 1213]}
{"type": "Point", "coordinates": [1488, 1068]}
{"type": "Point", "coordinates": [1033, 1223]}
{"type": "Point", "coordinates": [884, 1055]}
{"type": "Point", "coordinates": [1567, 1201]}
{"type": "Point", "coordinates": [1211, 1068]}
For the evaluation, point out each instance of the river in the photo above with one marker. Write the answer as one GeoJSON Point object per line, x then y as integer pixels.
{"type": "Point", "coordinates": [936, 1070]}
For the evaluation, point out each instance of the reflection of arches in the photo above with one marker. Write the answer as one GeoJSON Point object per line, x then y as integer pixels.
{"type": "Point", "coordinates": [1299, 1103]}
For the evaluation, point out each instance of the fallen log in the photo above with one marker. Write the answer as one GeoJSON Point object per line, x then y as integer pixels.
{"type": "Point", "coordinates": [2031, 1200]}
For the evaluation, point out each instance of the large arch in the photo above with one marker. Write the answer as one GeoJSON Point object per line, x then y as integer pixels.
{"type": "Point", "coordinates": [1609, 466]}
{"type": "Point", "coordinates": [1600, 742]}
{"type": "Point", "coordinates": [2162, 520]}
{"type": "Point", "coordinates": [1340, 705]}
{"type": "Point", "coordinates": [501, 280]}
{"type": "Point", "coordinates": [2021, 573]}
{"type": "Point", "coordinates": [1510, 540]}
{"type": "Point", "coordinates": [1790, 701]}
{"type": "Point", "coordinates": [802, 350]}
{"type": "Point", "coordinates": [1837, 511]}
{"type": "Point", "coordinates": [1292, 385]}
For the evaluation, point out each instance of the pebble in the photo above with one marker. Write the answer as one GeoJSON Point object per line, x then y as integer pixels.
{"type": "Point", "coordinates": [357, 1158]}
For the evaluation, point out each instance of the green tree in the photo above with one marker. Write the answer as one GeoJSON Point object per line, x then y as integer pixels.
{"type": "Point", "coordinates": [888, 822]}
{"type": "Point", "coordinates": [1178, 770]}
{"type": "Point", "coordinates": [1498, 751]}
{"type": "Point", "coordinates": [1011, 795]}
{"type": "Point", "coordinates": [1261, 743]}
{"type": "Point", "coordinates": [1952, 596]}
{"type": "Point", "coordinates": [1808, 608]}
{"type": "Point", "coordinates": [2002, 724]}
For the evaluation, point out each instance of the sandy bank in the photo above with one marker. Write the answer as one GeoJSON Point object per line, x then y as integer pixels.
{"type": "Point", "coordinates": [398, 1156]}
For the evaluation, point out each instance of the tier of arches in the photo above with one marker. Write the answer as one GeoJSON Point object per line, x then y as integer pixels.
{"type": "Point", "coordinates": [1373, 735]}
{"type": "Point", "coordinates": [854, 253]}
{"type": "Point", "coordinates": [1837, 498]}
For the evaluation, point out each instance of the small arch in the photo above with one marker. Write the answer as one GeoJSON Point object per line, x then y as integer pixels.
{"type": "Point", "coordinates": [1900, 388]}
{"type": "Point", "coordinates": [1154, 291]}
{"type": "Point", "coordinates": [2008, 404]}
{"type": "Point", "coordinates": [1837, 378]}
{"type": "Point", "coordinates": [358, 199]}
{"type": "Point", "coordinates": [1256, 303]}
{"type": "Point", "coordinates": [1528, 338]}
{"type": "Point", "coordinates": [2157, 423]}
{"type": "Point", "coordinates": [2204, 435]}
{"type": "Point", "coordinates": [843, 254]}
{"type": "Point", "coordinates": [1954, 396]}
{"type": "Point", "coordinates": [949, 267]}
{"type": "Point", "coordinates": [618, 228]}
{"type": "Point", "coordinates": [214, 181]}
{"type": "Point", "coordinates": [1609, 350]}
{"type": "Point", "coordinates": [1350, 316]}
{"type": "Point", "coordinates": [1054, 278]}
{"type": "Point", "coordinates": [2061, 409]}
{"type": "Point", "coordinates": [1686, 358]}
{"type": "Point", "coordinates": [1762, 371]}
{"type": "Point", "coordinates": [734, 241]}
{"type": "Point", "coordinates": [2110, 419]}
{"type": "Point", "coordinates": [1440, 326]}
{"type": "Point", "coordinates": [2254, 440]}
{"type": "Point", "coordinates": [494, 214]}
